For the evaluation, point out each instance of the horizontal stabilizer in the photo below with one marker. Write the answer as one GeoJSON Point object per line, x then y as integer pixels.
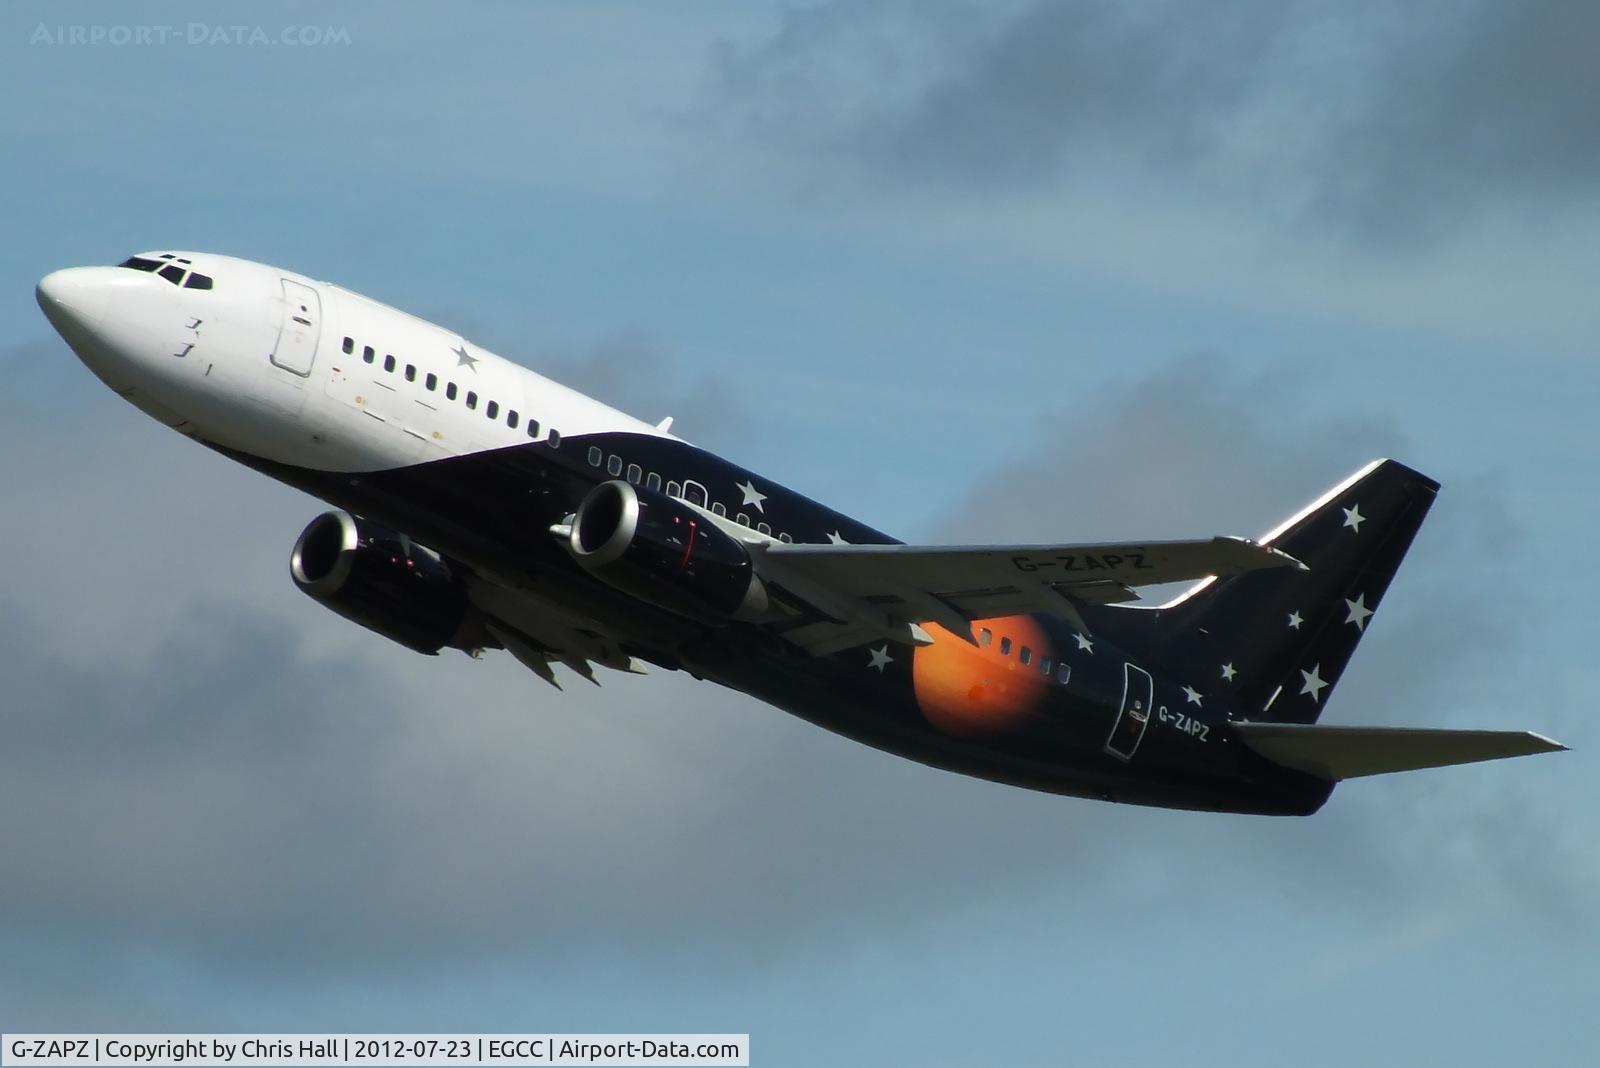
{"type": "Point", "coordinates": [1336, 753]}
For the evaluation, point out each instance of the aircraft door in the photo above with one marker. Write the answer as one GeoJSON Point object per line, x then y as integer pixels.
{"type": "Point", "coordinates": [302, 323]}
{"type": "Point", "coordinates": [1138, 691]}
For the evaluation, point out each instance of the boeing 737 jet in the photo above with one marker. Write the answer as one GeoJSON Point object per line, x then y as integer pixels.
{"type": "Point", "coordinates": [483, 506]}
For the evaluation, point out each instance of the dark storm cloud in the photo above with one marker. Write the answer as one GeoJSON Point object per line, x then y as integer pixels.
{"type": "Point", "coordinates": [1391, 121]}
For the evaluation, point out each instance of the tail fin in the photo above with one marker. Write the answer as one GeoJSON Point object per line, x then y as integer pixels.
{"type": "Point", "coordinates": [1276, 642]}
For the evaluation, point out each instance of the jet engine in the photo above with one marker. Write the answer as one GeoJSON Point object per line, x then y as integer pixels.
{"type": "Point", "coordinates": [663, 551]}
{"type": "Point", "coordinates": [382, 580]}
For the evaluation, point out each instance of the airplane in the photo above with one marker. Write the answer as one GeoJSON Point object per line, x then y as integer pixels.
{"type": "Point", "coordinates": [480, 506]}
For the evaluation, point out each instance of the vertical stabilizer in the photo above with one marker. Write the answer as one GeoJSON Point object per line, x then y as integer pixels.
{"type": "Point", "coordinates": [1276, 642]}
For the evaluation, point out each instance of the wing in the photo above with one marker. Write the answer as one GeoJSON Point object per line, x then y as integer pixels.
{"type": "Point", "coordinates": [871, 591]}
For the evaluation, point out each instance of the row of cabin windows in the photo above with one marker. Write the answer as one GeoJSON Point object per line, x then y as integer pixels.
{"type": "Point", "coordinates": [1025, 656]}
{"type": "Point", "coordinates": [692, 492]}
{"type": "Point", "coordinates": [430, 382]}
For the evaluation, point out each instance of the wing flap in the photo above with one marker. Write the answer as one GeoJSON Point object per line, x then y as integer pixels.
{"type": "Point", "coordinates": [1335, 753]}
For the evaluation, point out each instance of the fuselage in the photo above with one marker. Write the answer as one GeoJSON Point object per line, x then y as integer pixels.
{"type": "Point", "coordinates": [405, 422]}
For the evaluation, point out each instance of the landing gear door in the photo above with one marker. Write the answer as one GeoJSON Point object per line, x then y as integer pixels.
{"type": "Point", "coordinates": [1134, 716]}
{"type": "Point", "coordinates": [302, 323]}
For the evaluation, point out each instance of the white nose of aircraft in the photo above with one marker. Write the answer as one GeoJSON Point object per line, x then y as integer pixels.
{"type": "Point", "coordinates": [75, 300]}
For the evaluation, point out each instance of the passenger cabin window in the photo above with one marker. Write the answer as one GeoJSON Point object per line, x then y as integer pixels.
{"type": "Point", "coordinates": [674, 490]}
{"type": "Point", "coordinates": [695, 494]}
{"type": "Point", "coordinates": [653, 481]}
{"type": "Point", "coordinates": [985, 636]}
{"type": "Point", "coordinates": [533, 428]}
{"type": "Point", "coordinates": [596, 457]}
{"type": "Point", "coordinates": [1025, 655]}
{"type": "Point", "coordinates": [472, 400]}
{"type": "Point", "coordinates": [614, 464]}
{"type": "Point", "coordinates": [635, 473]}
{"type": "Point", "coordinates": [1005, 646]}
{"type": "Point", "coordinates": [349, 346]}
{"type": "Point", "coordinates": [784, 537]}
{"type": "Point", "coordinates": [367, 354]}
{"type": "Point", "coordinates": [1044, 665]}
{"type": "Point", "coordinates": [512, 418]}
{"type": "Point", "coordinates": [555, 438]}
{"type": "Point", "coordinates": [388, 363]}
{"type": "Point", "coordinates": [411, 372]}
{"type": "Point", "coordinates": [493, 410]}
{"type": "Point", "coordinates": [742, 519]}
{"type": "Point", "coordinates": [431, 382]}
{"type": "Point", "coordinates": [717, 509]}
{"type": "Point", "coordinates": [763, 528]}
{"type": "Point", "coordinates": [450, 390]}
{"type": "Point", "coordinates": [1063, 673]}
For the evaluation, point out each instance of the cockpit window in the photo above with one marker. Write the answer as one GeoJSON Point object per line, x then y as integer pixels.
{"type": "Point", "coordinates": [167, 266]}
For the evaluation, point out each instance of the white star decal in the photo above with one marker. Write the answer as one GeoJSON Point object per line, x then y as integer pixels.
{"type": "Point", "coordinates": [751, 496]}
{"type": "Point", "coordinates": [465, 359]}
{"type": "Point", "coordinates": [835, 539]}
{"type": "Point", "coordinates": [1295, 620]}
{"type": "Point", "coordinates": [881, 658]}
{"type": "Point", "coordinates": [1228, 673]}
{"type": "Point", "coordinates": [1191, 695]}
{"type": "Point", "coordinates": [1353, 517]}
{"type": "Point", "coordinates": [1358, 611]}
{"type": "Point", "coordinates": [1084, 644]}
{"type": "Point", "coordinates": [1313, 682]}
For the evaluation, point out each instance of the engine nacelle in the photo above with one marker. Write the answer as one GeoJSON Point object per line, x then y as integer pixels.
{"type": "Point", "coordinates": [382, 580]}
{"type": "Point", "coordinates": [662, 551]}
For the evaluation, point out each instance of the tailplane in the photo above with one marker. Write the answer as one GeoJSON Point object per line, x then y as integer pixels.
{"type": "Point", "coordinates": [1336, 753]}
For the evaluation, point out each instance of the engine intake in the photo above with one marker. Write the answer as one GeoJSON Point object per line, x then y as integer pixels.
{"type": "Point", "coordinates": [382, 580]}
{"type": "Point", "coordinates": [663, 551]}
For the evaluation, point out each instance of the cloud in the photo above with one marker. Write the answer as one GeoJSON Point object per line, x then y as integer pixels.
{"type": "Point", "coordinates": [244, 799]}
{"type": "Point", "coordinates": [1192, 449]}
{"type": "Point", "coordinates": [1390, 125]}
{"type": "Point", "coordinates": [633, 372]}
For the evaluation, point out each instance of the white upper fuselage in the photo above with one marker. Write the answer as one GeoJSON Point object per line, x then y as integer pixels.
{"type": "Point", "coordinates": [289, 369]}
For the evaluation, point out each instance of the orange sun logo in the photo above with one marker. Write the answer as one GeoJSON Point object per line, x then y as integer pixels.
{"type": "Point", "coordinates": [968, 691]}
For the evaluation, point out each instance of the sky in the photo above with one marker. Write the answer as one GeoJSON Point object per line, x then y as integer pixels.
{"type": "Point", "coordinates": [968, 271]}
